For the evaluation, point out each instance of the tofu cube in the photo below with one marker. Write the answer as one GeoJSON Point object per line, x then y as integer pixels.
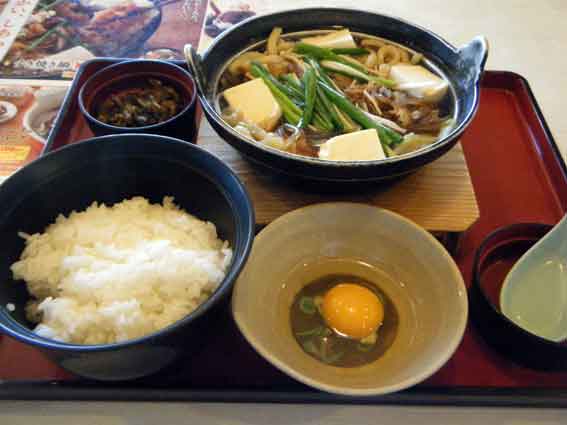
{"type": "Point", "coordinates": [361, 145]}
{"type": "Point", "coordinates": [255, 102]}
{"type": "Point", "coordinates": [334, 40]}
{"type": "Point", "coordinates": [419, 82]}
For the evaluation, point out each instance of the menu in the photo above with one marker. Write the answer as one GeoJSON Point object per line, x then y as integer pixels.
{"type": "Point", "coordinates": [27, 113]}
{"type": "Point", "coordinates": [222, 14]}
{"type": "Point", "coordinates": [43, 43]}
{"type": "Point", "coordinates": [51, 38]}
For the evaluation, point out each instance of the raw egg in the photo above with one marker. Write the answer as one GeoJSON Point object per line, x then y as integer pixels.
{"type": "Point", "coordinates": [352, 310]}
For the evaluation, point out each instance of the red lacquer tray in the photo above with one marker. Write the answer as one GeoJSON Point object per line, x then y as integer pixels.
{"type": "Point", "coordinates": [518, 176]}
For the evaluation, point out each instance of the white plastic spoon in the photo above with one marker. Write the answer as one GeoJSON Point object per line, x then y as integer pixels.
{"type": "Point", "coordinates": [534, 294]}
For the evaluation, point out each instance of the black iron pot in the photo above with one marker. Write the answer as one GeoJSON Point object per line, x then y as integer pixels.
{"type": "Point", "coordinates": [461, 66]}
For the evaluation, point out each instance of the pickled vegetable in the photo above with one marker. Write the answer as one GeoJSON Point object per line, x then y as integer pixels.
{"type": "Point", "coordinates": [146, 104]}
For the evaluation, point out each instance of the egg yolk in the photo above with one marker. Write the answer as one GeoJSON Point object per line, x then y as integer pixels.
{"type": "Point", "coordinates": [352, 310]}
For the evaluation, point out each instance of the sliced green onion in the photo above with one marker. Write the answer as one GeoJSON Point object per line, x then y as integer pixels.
{"type": "Point", "coordinates": [310, 347]}
{"type": "Point", "coordinates": [316, 331]}
{"type": "Point", "coordinates": [292, 113]}
{"type": "Point", "coordinates": [387, 136]}
{"type": "Point", "coordinates": [325, 104]}
{"type": "Point", "coordinates": [349, 71]}
{"type": "Point", "coordinates": [318, 300]}
{"type": "Point", "coordinates": [307, 305]}
{"type": "Point", "coordinates": [333, 358]}
{"type": "Point", "coordinates": [41, 39]}
{"type": "Point", "coordinates": [293, 85]}
{"type": "Point", "coordinates": [365, 348]}
{"type": "Point", "coordinates": [322, 74]}
{"type": "Point", "coordinates": [320, 120]}
{"type": "Point", "coordinates": [321, 53]}
{"type": "Point", "coordinates": [310, 90]}
{"type": "Point", "coordinates": [349, 66]}
{"type": "Point", "coordinates": [325, 352]}
{"type": "Point", "coordinates": [353, 51]}
{"type": "Point", "coordinates": [326, 332]}
{"type": "Point", "coordinates": [348, 124]}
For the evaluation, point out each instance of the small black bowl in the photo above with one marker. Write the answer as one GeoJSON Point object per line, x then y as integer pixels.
{"type": "Point", "coordinates": [129, 73]}
{"type": "Point", "coordinates": [110, 169]}
{"type": "Point", "coordinates": [493, 260]}
{"type": "Point", "coordinates": [461, 66]}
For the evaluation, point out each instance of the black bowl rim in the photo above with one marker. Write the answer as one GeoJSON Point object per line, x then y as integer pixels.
{"type": "Point", "coordinates": [247, 221]}
{"type": "Point", "coordinates": [127, 62]}
{"type": "Point", "coordinates": [482, 251]}
{"type": "Point", "coordinates": [454, 134]}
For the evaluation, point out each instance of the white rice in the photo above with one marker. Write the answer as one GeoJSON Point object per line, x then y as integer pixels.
{"type": "Point", "coordinates": [115, 273]}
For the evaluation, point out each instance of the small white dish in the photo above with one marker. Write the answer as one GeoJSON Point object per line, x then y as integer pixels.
{"type": "Point", "coordinates": [47, 104]}
{"type": "Point", "coordinates": [11, 111]}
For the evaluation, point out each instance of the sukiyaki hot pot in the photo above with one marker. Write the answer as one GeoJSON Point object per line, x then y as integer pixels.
{"type": "Point", "coordinates": [347, 96]}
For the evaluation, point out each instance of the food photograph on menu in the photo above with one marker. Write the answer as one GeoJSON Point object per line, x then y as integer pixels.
{"type": "Point", "coordinates": [27, 114]}
{"type": "Point", "coordinates": [59, 35]}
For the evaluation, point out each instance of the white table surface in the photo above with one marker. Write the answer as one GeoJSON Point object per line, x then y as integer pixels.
{"type": "Point", "coordinates": [526, 36]}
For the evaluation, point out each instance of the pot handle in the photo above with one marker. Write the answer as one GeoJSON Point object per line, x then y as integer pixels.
{"type": "Point", "coordinates": [472, 58]}
{"type": "Point", "coordinates": [195, 64]}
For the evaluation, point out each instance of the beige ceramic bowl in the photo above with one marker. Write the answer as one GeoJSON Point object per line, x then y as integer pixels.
{"type": "Point", "coordinates": [407, 263]}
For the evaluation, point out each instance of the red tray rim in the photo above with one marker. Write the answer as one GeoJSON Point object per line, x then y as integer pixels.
{"type": "Point", "coordinates": [470, 396]}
